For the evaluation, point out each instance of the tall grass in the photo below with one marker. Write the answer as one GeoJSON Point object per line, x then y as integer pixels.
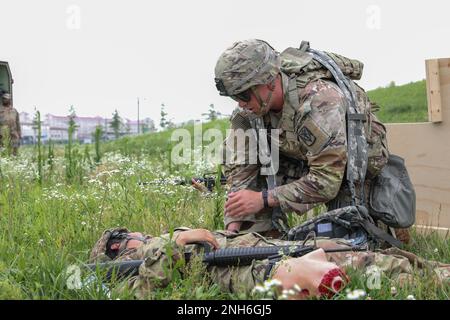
{"type": "Point", "coordinates": [49, 225]}
{"type": "Point", "coordinates": [38, 126]}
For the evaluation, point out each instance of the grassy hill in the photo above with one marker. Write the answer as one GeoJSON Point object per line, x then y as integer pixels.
{"type": "Point", "coordinates": [160, 141]}
{"type": "Point", "coordinates": [406, 103]}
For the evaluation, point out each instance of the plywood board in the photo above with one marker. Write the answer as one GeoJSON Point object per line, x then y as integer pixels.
{"type": "Point", "coordinates": [434, 91]}
{"type": "Point", "coordinates": [426, 149]}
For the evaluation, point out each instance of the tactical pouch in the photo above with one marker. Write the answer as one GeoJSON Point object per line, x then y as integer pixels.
{"type": "Point", "coordinates": [301, 63]}
{"type": "Point", "coordinates": [342, 223]}
{"type": "Point", "coordinates": [352, 223]}
{"type": "Point", "coordinates": [392, 196]}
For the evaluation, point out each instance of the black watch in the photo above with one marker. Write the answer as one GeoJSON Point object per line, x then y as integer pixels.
{"type": "Point", "coordinates": [265, 198]}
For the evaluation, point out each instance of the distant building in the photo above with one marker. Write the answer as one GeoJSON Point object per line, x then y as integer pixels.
{"type": "Point", "coordinates": [56, 128]}
{"type": "Point", "coordinates": [26, 126]}
{"type": "Point", "coordinates": [145, 125]}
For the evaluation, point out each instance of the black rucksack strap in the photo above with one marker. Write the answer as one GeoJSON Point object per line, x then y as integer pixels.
{"type": "Point", "coordinates": [380, 234]}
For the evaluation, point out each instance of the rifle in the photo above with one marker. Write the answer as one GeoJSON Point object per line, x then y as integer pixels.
{"type": "Point", "coordinates": [208, 180]}
{"type": "Point", "coordinates": [239, 256]}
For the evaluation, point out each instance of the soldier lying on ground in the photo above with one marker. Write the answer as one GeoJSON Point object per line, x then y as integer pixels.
{"type": "Point", "coordinates": [307, 272]}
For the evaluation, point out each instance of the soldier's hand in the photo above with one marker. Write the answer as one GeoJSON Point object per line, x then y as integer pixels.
{"type": "Point", "coordinates": [243, 203]}
{"type": "Point", "coordinates": [196, 235]}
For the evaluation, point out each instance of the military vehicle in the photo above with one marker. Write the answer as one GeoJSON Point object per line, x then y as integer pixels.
{"type": "Point", "coordinates": [6, 80]}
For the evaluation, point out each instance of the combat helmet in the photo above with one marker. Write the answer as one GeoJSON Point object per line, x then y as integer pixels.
{"type": "Point", "coordinates": [101, 250]}
{"type": "Point", "coordinates": [246, 64]}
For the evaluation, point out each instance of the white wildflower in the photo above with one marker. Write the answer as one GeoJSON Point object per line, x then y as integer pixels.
{"type": "Point", "coordinates": [272, 283]}
{"type": "Point", "coordinates": [297, 288]}
{"type": "Point", "coordinates": [258, 289]}
{"type": "Point", "coordinates": [410, 297]}
{"type": "Point", "coordinates": [393, 290]}
{"type": "Point", "coordinates": [355, 294]}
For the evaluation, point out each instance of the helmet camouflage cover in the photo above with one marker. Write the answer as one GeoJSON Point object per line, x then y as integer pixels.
{"type": "Point", "coordinates": [98, 252]}
{"type": "Point", "coordinates": [246, 64]}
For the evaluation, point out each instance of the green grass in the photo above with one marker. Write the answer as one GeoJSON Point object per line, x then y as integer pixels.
{"type": "Point", "coordinates": [155, 143]}
{"type": "Point", "coordinates": [405, 103]}
{"type": "Point", "coordinates": [48, 227]}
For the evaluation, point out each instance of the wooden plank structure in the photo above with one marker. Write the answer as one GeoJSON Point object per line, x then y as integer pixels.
{"type": "Point", "coordinates": [426, 149]}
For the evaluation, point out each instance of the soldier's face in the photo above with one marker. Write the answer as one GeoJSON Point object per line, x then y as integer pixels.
{"type": "Point", "coordinates": [254, 105]}
{"type": "Point", "coordinates": [248, 105]}
{"type": "Point", "coordinates": [132, 243]}
{"type": "Point", "coordinates": [6, 102]}
{"type": "Point", "coordinates": [272, 94]}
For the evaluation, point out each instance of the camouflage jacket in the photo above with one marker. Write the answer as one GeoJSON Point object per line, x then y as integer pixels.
{"type": "Point", "coordinates": [315, 133]}
{"type": "Point", "coordinates": [9, 119]}
{"type": "Point", "coordinates": [162, 254]}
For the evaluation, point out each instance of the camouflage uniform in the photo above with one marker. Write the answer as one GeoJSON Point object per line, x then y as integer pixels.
{"type": "Point", "coordinates": [9, 124]}
{"type": "Point", "coordinates": [312, 144]}
{"type": "Point", "coordinates": [162, 253]}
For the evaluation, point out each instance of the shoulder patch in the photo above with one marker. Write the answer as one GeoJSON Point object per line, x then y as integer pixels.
{"type": "Point", "coordinates": [313, 136]}
{"type": "Point", "coordinates": [307, 136]}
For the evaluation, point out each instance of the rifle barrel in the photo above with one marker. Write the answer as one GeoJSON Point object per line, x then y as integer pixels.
{"type": "Point", "coordinates": [121, 269]}
{"type": "Point", "coordinates": [246, 255]}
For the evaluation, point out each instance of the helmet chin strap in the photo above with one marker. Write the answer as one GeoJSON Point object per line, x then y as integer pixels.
{"type": "Point", "coordinates": [264, 104]}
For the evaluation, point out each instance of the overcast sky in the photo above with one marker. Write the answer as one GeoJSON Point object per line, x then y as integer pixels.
{"type": "Point", "coordinates": [101, 55]}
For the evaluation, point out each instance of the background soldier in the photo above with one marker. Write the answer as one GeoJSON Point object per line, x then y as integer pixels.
{"type": "Point", "coordinates": [9, 125]}
{"type": "Point", "coordinates": [298, 96]}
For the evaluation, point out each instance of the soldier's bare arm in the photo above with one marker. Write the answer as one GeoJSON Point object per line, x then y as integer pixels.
{"type": "Point", "coordinates": [196, 235]}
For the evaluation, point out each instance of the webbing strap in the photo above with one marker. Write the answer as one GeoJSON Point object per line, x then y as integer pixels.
{"type": "Point", "coordinates": [304, 46]}
{"type": "Point", "coordinates": [277, 215]}
{"type": "Point", "coordinates": [381, 234]}
{"type": "Point", "coordinates": [356, 141]}
{"type": "Point", "coordinates": [293, 92]}
{"type": "Point", "coordinates": [357, 117]}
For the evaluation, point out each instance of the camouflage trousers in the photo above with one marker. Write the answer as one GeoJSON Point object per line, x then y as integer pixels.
{"type": "Point", "coordinates": [396, 264]}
